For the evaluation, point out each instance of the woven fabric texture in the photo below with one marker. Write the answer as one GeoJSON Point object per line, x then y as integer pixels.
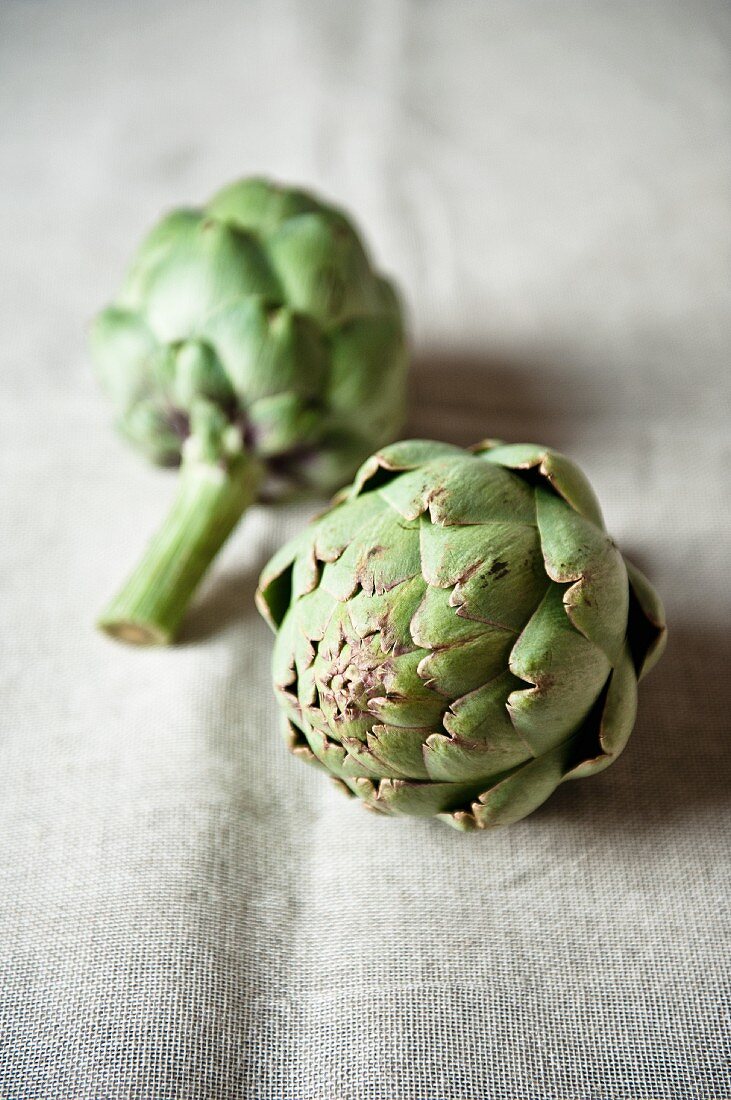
{"type": "Point", "coordinates": [186, 912]}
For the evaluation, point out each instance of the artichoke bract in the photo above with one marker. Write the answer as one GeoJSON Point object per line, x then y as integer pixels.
{"type": "Point", "coordinates": [254, 345]}
{"type": "Point", "coordinates": [458, 634]}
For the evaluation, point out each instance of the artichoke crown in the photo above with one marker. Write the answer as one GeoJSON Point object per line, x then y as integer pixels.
{"type": "Point", "coordinates": [263, 312]}
{"type": "Point", "coordinates": [458, 634]}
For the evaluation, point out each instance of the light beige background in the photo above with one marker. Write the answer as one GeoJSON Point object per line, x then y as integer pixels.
{"type": "Point", "coordinates": [187, 912]}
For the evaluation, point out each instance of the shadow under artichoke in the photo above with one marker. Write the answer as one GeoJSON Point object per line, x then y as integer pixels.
{"type": "Point", "coordinates": [676, 763]}
{"type": "Point", "coordinates": [221, 605]}
{"type": "Point", "coordinates": [461, 397]}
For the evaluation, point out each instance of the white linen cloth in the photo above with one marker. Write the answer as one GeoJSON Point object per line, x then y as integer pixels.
{"type": "Point", "coordinates": [188, 912]}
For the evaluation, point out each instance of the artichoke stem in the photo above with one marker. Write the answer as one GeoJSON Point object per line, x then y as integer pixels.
{"type": "Point", "coordinates": [210, 500]}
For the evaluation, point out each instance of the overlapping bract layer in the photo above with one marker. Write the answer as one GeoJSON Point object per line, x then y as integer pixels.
{"type": "Point", "coordinates": [458, 634]}
{"type": "Point", "coordinates": [263, 306]}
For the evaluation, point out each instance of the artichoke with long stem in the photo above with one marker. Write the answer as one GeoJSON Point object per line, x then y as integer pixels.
{"type": "Point", "coordinates": [458, 634]}
{"type": "Point", "coordinates": [254, 345]}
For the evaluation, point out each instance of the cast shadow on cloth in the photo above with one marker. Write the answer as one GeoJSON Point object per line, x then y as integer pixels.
{"type": "Point", "coordinates": [676, 763]}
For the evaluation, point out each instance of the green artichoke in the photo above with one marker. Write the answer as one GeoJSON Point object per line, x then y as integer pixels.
{"type": "Point", "coordinates": [254, 344]}
{"type": "Point", "coordinates": [458, 634]}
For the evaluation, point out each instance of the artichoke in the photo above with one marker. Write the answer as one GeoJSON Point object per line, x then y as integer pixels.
{"type": "Point", "coordinates": [254, 345]}
{"type": "Point", "coordinates": [458, 634]}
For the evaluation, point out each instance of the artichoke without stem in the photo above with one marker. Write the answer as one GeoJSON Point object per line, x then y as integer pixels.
{"type": "Point", "coordinates": [253, 344]}
{"type": "Point", "coordinates": [458, 634]}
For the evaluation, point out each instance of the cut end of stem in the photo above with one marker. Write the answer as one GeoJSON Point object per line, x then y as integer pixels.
{"type": "Point", "coordinates": [134, 633]}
